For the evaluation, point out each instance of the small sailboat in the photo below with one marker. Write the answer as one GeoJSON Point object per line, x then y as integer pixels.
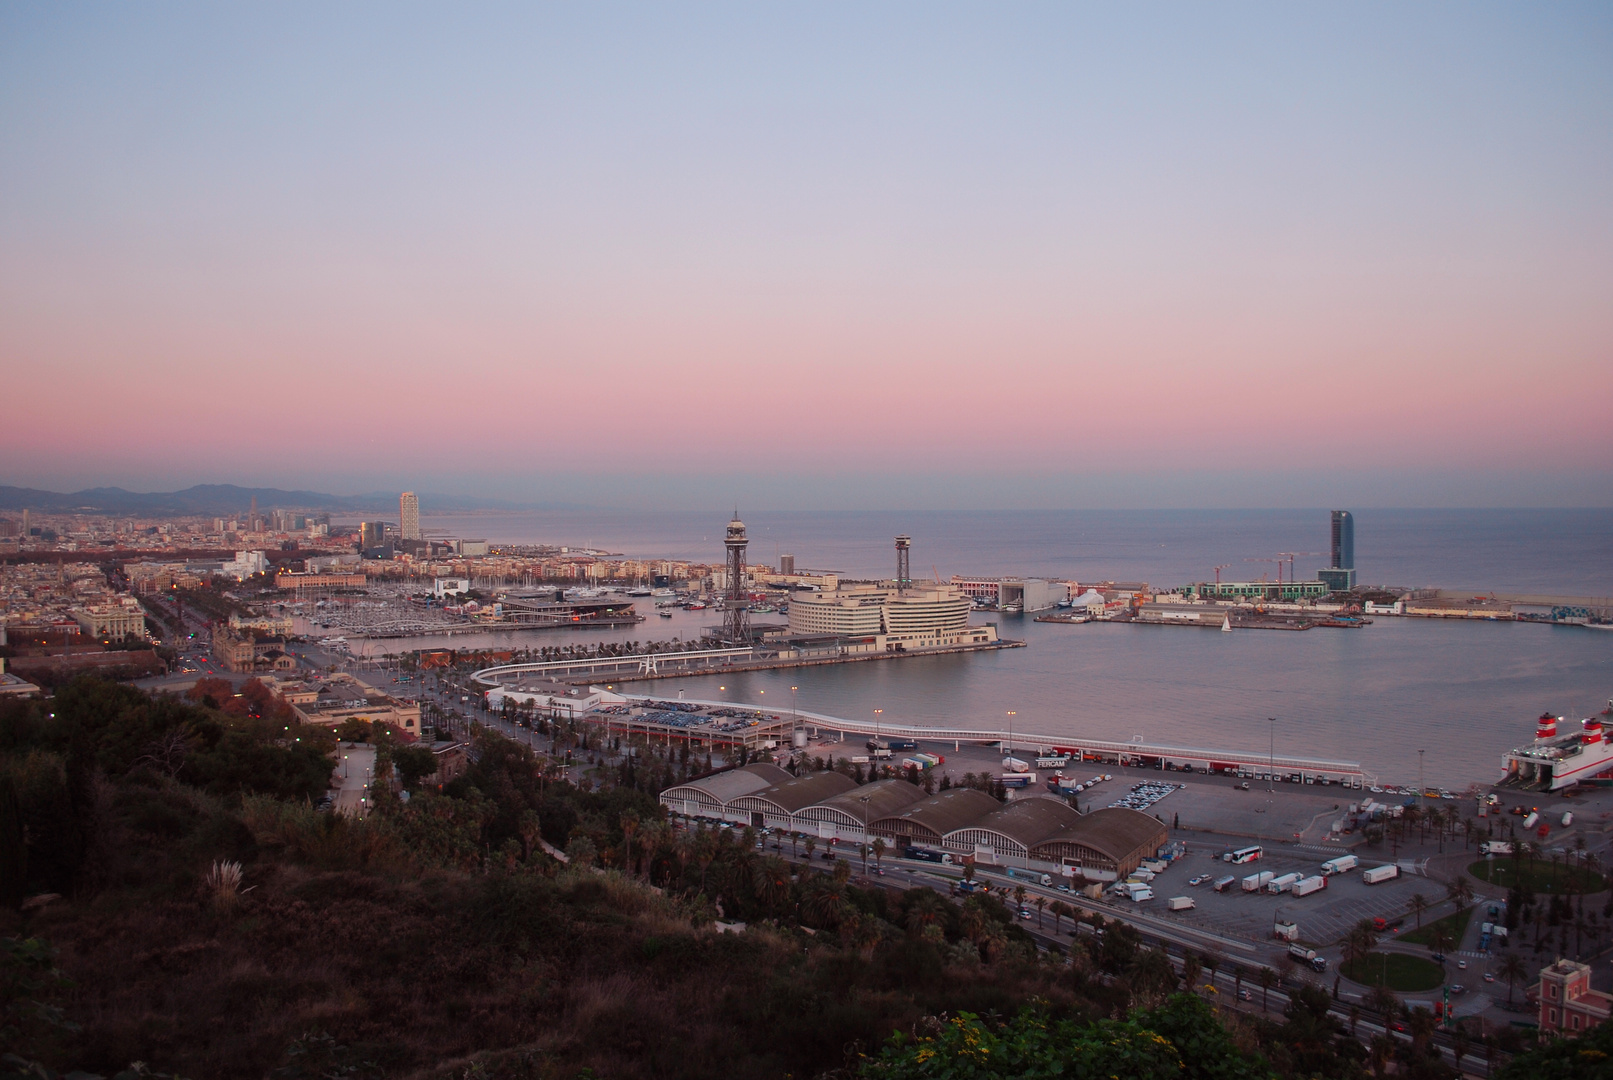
{"type": "Point", "coordinates": [1226, 624]}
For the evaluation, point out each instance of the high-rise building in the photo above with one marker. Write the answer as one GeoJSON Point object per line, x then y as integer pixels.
{"type": "Point", "coordinates": [372, 534]}
{"type": "Point", "coordinates": [409, 516]}
{"type": "Point", "coordinates": [1340, 576]}
{"type": "Point", "coordinates": [1343, 540]}
{"type": "Point", "coordinates": [786, 564]}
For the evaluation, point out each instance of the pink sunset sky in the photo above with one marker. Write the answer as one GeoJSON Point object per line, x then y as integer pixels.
{"type": "Point", "coordinates": [816, 255]}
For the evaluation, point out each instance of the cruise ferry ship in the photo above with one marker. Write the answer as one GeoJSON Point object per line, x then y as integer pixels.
{"type": "Point", "coordinates": [1553, 762]}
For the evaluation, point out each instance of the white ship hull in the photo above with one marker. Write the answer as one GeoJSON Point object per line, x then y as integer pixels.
{"type": "Point", "coordinates": [1553, 762]}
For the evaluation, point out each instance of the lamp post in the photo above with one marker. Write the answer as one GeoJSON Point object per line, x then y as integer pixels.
{"type": "Point", "coordinates": [875, 754]}
{"type": "Point", "coordinates": [1271, 755]}
{"type": "Point", "coordinates": [1419, 779]}
{"type": "Point", "coordinates": [864, 800]}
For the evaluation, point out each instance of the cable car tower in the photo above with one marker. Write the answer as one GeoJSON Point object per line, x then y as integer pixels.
{"type": "Point", "coordinates": [736, 605]}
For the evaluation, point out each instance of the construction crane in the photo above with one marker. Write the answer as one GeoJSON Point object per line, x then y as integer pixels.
{"type": "Point", "coordinates": [1279, 563]}
{"type": "Point", "coordinates": [1290, 556]}
{"type": "Point", "coordinates": [1218, 570]}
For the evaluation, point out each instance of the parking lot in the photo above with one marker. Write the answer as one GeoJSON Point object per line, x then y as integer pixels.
{"type": "Point", "coordinates": [1323, 917]}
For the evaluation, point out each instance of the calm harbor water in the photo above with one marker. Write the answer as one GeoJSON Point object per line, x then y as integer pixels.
{"type": "Point", "coordinates": [1463, 692]}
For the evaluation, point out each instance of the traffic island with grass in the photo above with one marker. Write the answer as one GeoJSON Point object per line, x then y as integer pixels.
{"type": "Point", "coordinates": [1536, 876]}
{"type": "Point", "coordinates": [1399, 971]}
{"type": "Point", "coordinates": [1454, 925]}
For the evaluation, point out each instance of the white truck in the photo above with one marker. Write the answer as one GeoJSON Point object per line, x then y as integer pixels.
{"type": "Point", "coordinates": [1286, 930]}
{"type": "Point", "coordinates": [1306, 886]}
{"type": "Point", "coordinates": [1180, 903]}
{"type": "Point", "coordinates": [1532, 820]}
{"type": "Point", "coordinates": [1341, 865]}
{"type": "Point", "coordinates": [1256, 882]}
{"type": "Point", "coordinates": [1282, 884]}
{"type": "Point", "coordinates": [1379, 874]}
{"type": "Point", "coordinates": [1137, 892]}
{"type": "Point", "coordinates": [1496, 847]}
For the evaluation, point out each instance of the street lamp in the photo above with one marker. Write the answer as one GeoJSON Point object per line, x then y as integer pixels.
{"type": "Point", "coordinates": [1010, 753]}
{"type": "Point", "coordinates": [1419, 779]}
{"type": "Point", "coordinates": [1271, 756]}
{"type": "Point", "coordinates": [795, 716]}
{"type": "Point", "coordinates": [864, 800]}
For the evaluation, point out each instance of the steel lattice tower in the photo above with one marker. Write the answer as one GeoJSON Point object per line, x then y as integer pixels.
{"type": "Point", "coordinates": [736, 606]}
{"type": "Point", "coordinates": [904, 575]}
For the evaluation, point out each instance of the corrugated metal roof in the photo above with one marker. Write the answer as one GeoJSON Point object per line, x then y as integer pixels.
{"type": "Point", "coordinates": [797, 793]}
{"type": "Point", "coordinates": [885, 797]}
{"type": "Point", "coordinates": [1116, 831]}
{"type": "Point", "coordinates": [946, 811]}
{"type": "Point", "coordinates": [728, 786]}
{"type": "Point", "coordinates": [1032, 820]}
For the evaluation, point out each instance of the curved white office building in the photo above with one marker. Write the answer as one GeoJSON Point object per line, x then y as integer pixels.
{"type": "Point", "coordinates": [890, 618]}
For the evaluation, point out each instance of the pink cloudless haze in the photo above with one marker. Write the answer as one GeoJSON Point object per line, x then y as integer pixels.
{"type": "Point", "coordinates": [303, 246]}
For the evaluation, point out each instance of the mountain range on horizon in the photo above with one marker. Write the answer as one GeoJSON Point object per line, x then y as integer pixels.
{"type": "Point", "coordinates": [232, 498]}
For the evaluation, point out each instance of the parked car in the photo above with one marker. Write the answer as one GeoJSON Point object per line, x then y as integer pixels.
{"type": "Point", "coordinates": [1197, 879]}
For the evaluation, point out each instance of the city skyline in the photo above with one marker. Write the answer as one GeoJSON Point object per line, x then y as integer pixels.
{"type": "Point", "coordinates": [824, 258]}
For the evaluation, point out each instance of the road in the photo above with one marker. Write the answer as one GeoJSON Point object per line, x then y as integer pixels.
{"type": "Point", "coordinates": [351, 781]}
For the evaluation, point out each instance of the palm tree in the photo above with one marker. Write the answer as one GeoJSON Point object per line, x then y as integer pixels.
{"type": "Point", "coordinates": [1041, 908]}
{"type": "Point", "coordinates": [1512, 969]}
{"type": "Point", "coordinates": [629, 827]}
{"type": "Point", "coordinates": [1267, 978]}
{"type": "Point", "coordinates": [1382, 1000]}
{"type": "Point", "coordinates": [1460, 891]}
{"type": "Point", "coordinates": [878, 849]}
{"type": "Point", "coordinates": [771, 880]}
{"type": "Point", "coordinates": [1379, 1053]}
{"type": "Point", "coordinates": [1419, 904]}
{"type": "Point", "coordinates": [1360, 941]}
{"type": "Point", "coordinates": [926, 910]}
{"type": "Point", "coordinates": [1192, 968]}
{"type": "Point", "coordinates": [1440, 941]}
{"type": "Point", "coordinates": [1237, 980]}
{"type": "Point", "coordinates": [811, 846]}
{"type": "Point", "coordinates": [1423, 1025]}
{"type": "Point", "coordinates": [1212, 962]}
{"type": "Point", "coordinates": [1019, 896]}
{"type": "Point", "coordinates": [1058, 908]}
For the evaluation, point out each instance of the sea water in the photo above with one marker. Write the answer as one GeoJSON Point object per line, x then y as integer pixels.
{"type": "Point", "coordinates": [1462, 692]}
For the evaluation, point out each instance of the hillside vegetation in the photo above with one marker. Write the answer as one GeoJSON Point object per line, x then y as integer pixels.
{"type": "Point", "coordinates": [172, 897]}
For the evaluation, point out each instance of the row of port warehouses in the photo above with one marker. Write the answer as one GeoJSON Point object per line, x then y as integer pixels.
{"type": "Point", "coordinates": [1032, 832]}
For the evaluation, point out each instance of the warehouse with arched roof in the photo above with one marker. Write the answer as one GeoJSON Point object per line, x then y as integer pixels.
{"type": "Point", "coordinates": [775, 807]}
{"type": "Point", "coordinates": [1108, 843]}
{"type": "Point", "coordinates": [842, 817]}
{"type": "Point", "coordinates": [710, 795]}
{"type": "Point", "coordinates": [1011, 832]}
{"type": "Point", "coordinates": [928, 821]}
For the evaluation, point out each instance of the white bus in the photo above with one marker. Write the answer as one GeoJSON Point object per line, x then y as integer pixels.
{"type": "Point", "coordinates": [1243, 855]}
